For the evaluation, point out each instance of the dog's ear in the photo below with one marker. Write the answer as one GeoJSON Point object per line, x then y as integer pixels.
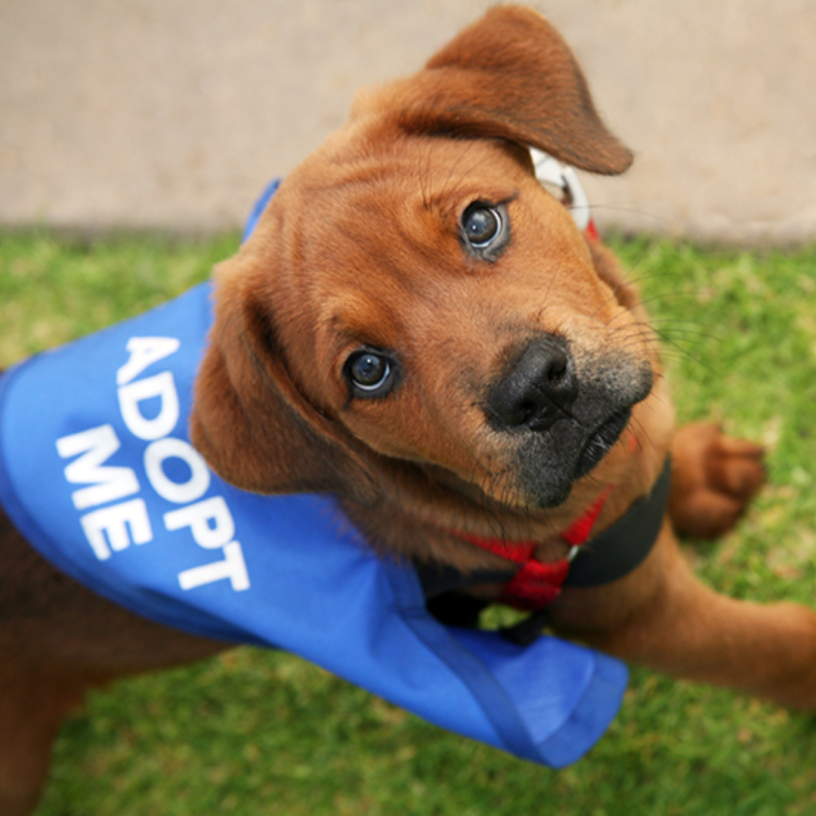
{"type": "Point", "coordinates": [249, 420]}
{"type": "Point", "coordinates": [510, 75]}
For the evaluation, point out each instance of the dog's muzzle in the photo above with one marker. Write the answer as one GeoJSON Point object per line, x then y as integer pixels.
{"type": "Point", "coordinates": [561, 421]}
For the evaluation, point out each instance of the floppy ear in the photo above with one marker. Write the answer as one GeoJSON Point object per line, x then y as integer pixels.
{"type": "Point", "coordinates": [510, 75]}
{"type": "Point", "coordinates": [249, 421]}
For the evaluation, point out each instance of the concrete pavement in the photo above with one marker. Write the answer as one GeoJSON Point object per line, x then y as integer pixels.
{"type": "Point", "coordinates": [172, 113]}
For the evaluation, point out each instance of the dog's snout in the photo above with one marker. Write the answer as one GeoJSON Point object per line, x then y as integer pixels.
{"type": "Point", "coordinates": [539, 389]}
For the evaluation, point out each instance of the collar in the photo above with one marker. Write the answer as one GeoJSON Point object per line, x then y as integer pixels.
{"type": "Point", "coordinates": [594, 561]}
{"type": "Point", "coordinates": [536, 584]}
{"type": "Point", "coordinates": [550, 172]}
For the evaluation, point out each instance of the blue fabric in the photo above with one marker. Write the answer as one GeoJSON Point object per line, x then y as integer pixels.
{"type": "Point", "coordinates": [96, 470]}
{"type": "Point", "coordinates": [259, 207]}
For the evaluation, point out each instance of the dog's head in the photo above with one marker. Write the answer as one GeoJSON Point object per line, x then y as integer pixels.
{"type": "Point", "coordinates": [413, 300]}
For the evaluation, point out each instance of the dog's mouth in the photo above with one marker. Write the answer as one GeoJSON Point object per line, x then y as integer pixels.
{"type": "Point", "coordinates": [601, 441]}
{"type": "Point", "coordinates": [548, 465]}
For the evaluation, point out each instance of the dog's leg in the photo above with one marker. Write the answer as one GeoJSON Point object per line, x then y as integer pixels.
{"type": "Point", "coordinates": [714, 477]}
{"type": "Point", "coordinates": [58, 640]}
{"type": "Point", "coordinates": [661, 616]}
{"type": "Point", "coordinates": [33, 704]}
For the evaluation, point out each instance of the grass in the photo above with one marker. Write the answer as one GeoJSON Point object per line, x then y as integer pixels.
{"type": "Point", "coordinates": [256, 732]}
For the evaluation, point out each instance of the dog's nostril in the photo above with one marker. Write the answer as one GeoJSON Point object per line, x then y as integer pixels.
{"type": "Point", "coordinates": [538, 390]}
{"type": "Point", "coordinates": [557, 369]}
{"type": "Point", "coordinates": [524, 412]}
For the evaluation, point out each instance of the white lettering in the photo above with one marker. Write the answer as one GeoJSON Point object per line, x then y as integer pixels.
{"type": "Point", "coordinates": [159, 386]}
{"type": "Point", "coordinates": [115, 527]}
{"type": "Point", "coordinates": [114, 522]}
{"type": "Point", "coordinates": [145, 351]}
{"type": "Point", "coordinates": [233, 567]}
{"type": "Point", "coordinates": [177, 492]}
{"type": "Point", "coordinates": [109, 483]}
{"type": "Point", "coordinates": [210, 522]}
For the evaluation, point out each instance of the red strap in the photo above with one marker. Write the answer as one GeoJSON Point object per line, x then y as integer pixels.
{"type": "Point", "coordinates": [578, 532]}
{"type": "Point", "coordinates": [536, 583]}
{"type": "Point", "coordinates": [580, 529]}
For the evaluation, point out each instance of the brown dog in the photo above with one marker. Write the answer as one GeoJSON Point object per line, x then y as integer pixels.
{"type": "Point", "coordinates": [419, 328]}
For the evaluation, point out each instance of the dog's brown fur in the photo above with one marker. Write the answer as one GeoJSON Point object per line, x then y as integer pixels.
{"type": "Point", "coordinates": [361, 247]}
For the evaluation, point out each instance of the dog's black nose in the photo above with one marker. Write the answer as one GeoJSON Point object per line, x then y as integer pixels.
{"type": "Point", "coordinates": [539, 389]}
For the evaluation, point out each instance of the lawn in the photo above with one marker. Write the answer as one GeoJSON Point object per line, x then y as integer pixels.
{"type": "Point", "coordinates": [255, 732]}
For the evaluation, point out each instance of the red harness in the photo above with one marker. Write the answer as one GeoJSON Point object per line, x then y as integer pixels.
{"type": "Point", "coordinates": [536, 583]}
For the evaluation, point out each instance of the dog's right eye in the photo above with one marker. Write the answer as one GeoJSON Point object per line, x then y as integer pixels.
{"type": "Point", "coordinates": [371, 373]}
{"type": "Point", "coordinates": [485, 229]}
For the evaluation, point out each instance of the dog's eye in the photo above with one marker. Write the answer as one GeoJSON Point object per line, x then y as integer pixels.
{"type": "Point", "coordinates": [481, 225]}
{"type": "Point", "coordinates": [371, 373]}
{"type": "Point", "coordinates": [485, 230]}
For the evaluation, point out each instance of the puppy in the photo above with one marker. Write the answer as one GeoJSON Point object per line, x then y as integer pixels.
{"type": "Point", "coordinates": [418, 328]}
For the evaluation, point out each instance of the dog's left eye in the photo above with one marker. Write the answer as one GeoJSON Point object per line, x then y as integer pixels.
{"type": "Point", "coordinates": [485, 230]}
{"type": "Point", "coordinates": [371, 373]}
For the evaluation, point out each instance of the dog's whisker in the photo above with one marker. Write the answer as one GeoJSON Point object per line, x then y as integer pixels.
{"type": "Point", "coordinates": [651, 299]}
{"type": "Point", "coordinates": [685, 352]}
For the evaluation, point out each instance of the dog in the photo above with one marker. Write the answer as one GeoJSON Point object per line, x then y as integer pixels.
{"type": "Point", "coordinates": [417, 328]}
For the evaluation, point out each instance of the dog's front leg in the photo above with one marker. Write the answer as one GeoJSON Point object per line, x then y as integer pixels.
{"type": "Point", "coordinates": [33, 704]}
{"type": "Point", "coordinates": [662, 617]}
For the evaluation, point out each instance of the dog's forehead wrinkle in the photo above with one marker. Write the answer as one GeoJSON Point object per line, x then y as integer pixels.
{"type": "Point", "coordinates": [435, 167]}
{"type": "Point", "coordinates": [362, 320]}
{"type": "Point", "coordinates": [446, 183]}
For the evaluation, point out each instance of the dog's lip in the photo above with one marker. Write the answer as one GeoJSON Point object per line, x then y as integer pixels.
{"type": "Point", "coordinates": [601, 440]}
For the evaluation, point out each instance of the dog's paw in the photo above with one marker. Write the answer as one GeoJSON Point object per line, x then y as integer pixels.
{"type": "Point", "coordinates": [714, 478]}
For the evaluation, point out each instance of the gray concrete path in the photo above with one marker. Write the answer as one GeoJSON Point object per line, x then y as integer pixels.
{"type": "Point", "coordinates": [173, 113]}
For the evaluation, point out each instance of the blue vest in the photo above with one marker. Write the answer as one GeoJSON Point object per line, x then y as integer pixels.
{"type": "Point", "coordinates": [97, 471]}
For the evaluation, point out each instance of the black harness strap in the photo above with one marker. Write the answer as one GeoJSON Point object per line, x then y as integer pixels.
{"type": "Point", "coordinates": [620, 548]}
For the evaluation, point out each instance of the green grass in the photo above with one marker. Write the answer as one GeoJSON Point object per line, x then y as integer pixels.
{"type": "Point", "coordinates": [253, 732]}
